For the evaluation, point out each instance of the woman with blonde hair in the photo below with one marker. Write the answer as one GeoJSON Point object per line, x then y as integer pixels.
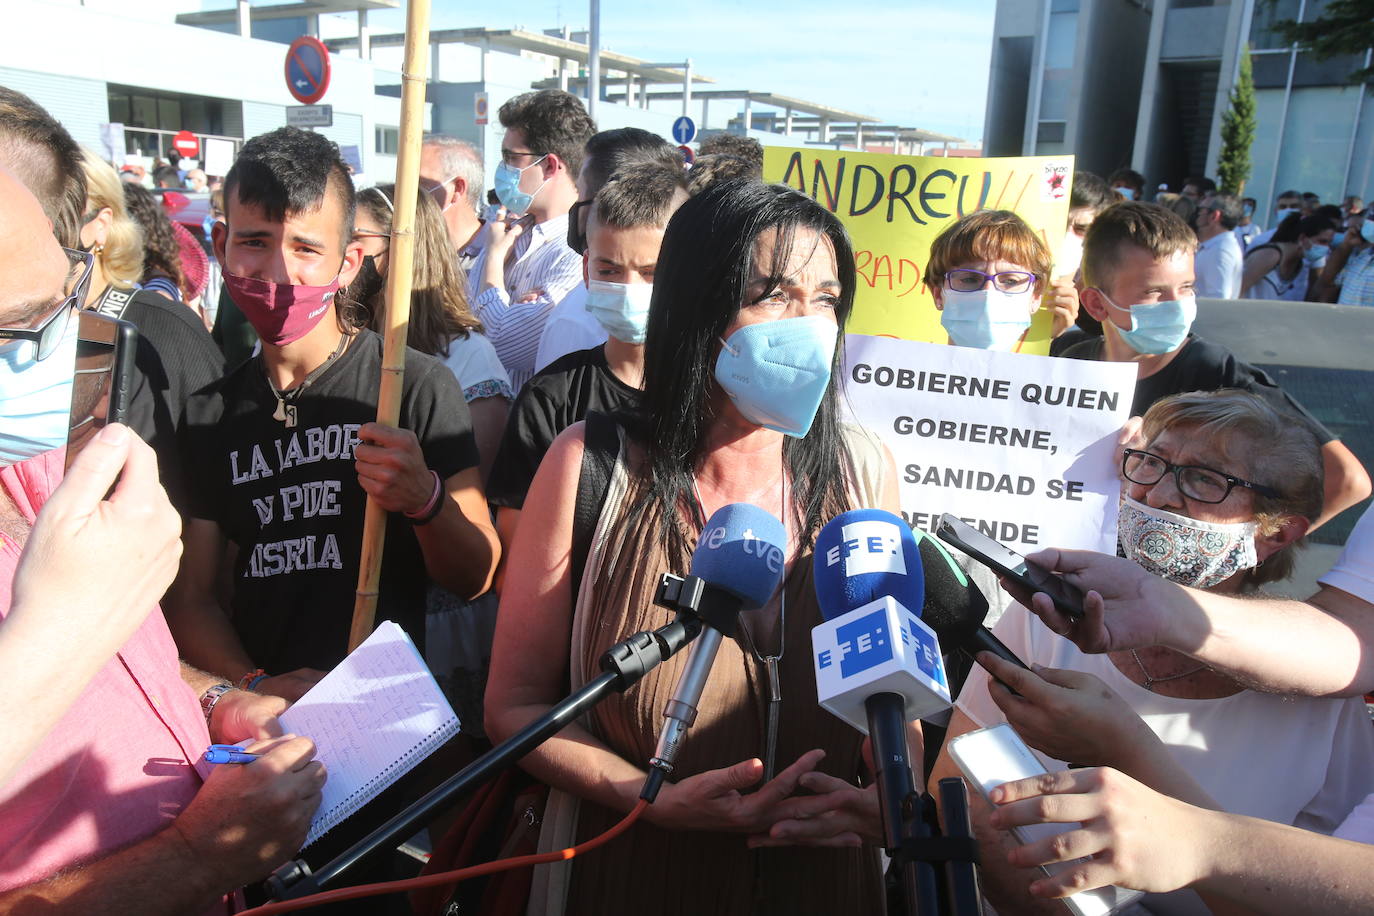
{"type": "Point", "coordinates": [175, 354]}
{"type": "Point", "coordinates": [441, 323]}
{"type": "Point", "coordinates": [108, 232]}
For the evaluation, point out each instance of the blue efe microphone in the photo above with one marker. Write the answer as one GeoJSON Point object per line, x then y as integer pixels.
{"type": "Point", "coordinates": [878, 666]}
{"type": "Point", "coordinates": [739, 561]}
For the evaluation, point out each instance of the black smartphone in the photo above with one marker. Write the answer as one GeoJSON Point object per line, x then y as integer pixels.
{"type": "Point", "coordinates": [104, 379]}
{"type": "Point", "coordinates": [1002, 559]}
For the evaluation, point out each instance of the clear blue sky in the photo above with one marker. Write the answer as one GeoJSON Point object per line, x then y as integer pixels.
{"type": "Point", "coordinates": [919, 63]}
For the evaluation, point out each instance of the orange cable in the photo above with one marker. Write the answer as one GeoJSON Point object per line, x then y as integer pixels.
{"type": "Point", "coordinates": [449, 877]}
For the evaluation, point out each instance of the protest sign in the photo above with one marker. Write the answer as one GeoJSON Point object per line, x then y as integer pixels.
{"type": "Point", "coordinates": [895, 206]}
{"type": "Point", "coordinates": [1020, 447]}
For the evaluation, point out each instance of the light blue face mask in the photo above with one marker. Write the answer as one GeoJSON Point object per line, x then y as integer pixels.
{"type": "Point", "coordinates": [987, 319]}
{"type": "Point", "coordinates": [36, 396]}
{"type": "Point", "coordinates": [1128, 193]}
{"type": "Point", "coordinates": [621, 308]}
{"type": "Point", "coordinates": [1157, 327]}
{"type": "Point", "coordinates": [777, 372]}
{"type": "Point", "coordinates": [1316, 253]}
{"type": "Point", "coordinates": [1367, 229]}
{"type": "Point", "coordinates": [507, 182]}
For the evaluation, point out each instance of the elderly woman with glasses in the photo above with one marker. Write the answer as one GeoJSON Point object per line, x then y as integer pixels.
{"type": "Point", "coordinates": [1223, 489]}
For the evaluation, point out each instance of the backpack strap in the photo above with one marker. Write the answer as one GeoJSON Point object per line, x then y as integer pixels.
{"type": "Point", "coordinates": [601, 447]}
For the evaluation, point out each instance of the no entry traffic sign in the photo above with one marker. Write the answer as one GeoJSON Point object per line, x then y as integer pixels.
{"type": "Point", "coordinates": [307, 69]}
{"type": "Point", "coordinates": [186, 143]}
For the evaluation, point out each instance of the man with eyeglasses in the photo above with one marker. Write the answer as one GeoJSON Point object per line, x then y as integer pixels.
{"type": "Point", "coordinates": [1139, 283]}
{"type": "Point", "coordinates": [526, 266]}
{"type": "Point", "coordinates": [1219, 256]}
{"type": "Point", "coordinates": [105, 805]}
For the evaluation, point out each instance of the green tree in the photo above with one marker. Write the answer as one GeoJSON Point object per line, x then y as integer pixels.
{"type": "Point", "coordinates": [1344, 27]}
{"type": "Point", "coordinates": [1238, 132]}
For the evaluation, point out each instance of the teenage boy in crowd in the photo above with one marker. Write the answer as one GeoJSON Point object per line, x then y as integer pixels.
{"type": "Point", "coordinates": [286, 451]}
{"type": "Point", "coordinates": [526, 265]}
{"type": "Point", "coordinates": [570, 327]}
{"type": "Point", "coordinates": [1139, 283]}
{"type": "Point", "coordinates": [1089, 195]}
{"type": "Point", "coordinates": [112, 811]}
{"type": "Point", "coordinates": [624, 234]}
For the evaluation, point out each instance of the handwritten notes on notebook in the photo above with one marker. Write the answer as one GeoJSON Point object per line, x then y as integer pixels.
{"type": "Point", "coordinates": [373, 718]}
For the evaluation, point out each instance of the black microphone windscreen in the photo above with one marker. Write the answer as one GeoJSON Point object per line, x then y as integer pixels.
{"type": "Point", "coordinates": [954, 607]}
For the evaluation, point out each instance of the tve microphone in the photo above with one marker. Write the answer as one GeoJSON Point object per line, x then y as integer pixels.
{"type": "Point", "coordinates": [740, 559]}
{"type": "Point", "coordinates": [954, 607]}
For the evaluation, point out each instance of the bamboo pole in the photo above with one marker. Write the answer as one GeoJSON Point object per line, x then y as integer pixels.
{"type": "Point", "coordinates": [398, 285]}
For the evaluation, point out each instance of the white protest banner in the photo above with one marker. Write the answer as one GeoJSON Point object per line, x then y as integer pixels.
{"type": "Point", "coordinates": [219, 156]}
{"type": "Point", "coordinates": [1018, 446]}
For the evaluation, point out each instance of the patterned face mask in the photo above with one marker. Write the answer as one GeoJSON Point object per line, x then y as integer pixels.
{"type": "Point", "coordinates": [1182, 549]}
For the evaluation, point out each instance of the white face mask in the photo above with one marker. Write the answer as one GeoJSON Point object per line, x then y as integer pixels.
{"type": "Point", "coordinates": [36, 396]}
{"type": "Point", "coordinates": [987, 319]}
{"type": "Point", "coordinates": [1184, 550]}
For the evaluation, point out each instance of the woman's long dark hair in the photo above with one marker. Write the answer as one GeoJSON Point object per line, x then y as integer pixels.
{"type": "Point", "coordinates": [704, 269]}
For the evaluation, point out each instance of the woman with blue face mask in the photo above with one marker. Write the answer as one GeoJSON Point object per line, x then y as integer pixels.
{"type": "Point", "coordinates": [987, 271]}
{"type": "Point", "coordinates": [753, 286]}
{"type": "Point", "coordinates": [1282, 267]}
{"type": "Point", "coordinates": [1218, 495]}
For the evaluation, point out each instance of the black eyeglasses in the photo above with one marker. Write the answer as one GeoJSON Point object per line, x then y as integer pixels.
{"type": "Point", "coordinates": [967, 280]}
{"type": "Point", "coordinates": [1204, 484]}
{"type": "Point", "coordinates": [50, 330]}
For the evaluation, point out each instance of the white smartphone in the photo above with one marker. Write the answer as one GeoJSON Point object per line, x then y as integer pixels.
{"type": "Point", "coordinates": [993, 756]}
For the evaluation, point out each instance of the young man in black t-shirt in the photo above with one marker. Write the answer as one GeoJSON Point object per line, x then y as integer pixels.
{"type": "Point", "coordinates": [1138, 282]}
{"type": "Point", "coordinates": [282, 453]}
{"type": "Point", "coordinates": [624, 233]}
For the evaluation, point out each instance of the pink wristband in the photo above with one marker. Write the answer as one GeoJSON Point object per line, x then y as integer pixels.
{"type": "Point", "coordinates": [427, 513]}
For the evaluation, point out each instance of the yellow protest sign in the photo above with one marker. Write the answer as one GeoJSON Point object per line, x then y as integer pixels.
{"type": "Point", "coordinates": [895, 206]}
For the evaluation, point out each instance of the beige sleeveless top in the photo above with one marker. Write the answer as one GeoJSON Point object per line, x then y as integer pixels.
{"type": "Point", "coordinates": [696, 872]}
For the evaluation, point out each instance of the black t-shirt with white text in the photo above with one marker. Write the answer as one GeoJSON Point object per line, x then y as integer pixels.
{"type": "Point", "coordinates": [556, 398]}
{"type": "Point", "coordinates": [290, 500]}
{"type": "Point", "coordinates": [1202, 366]}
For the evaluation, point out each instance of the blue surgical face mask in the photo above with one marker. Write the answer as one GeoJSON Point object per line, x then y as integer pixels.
{"type": "Point", "coordinates": [621, 308]}
{"type": "Point", "coordinates": [1281, 215]}
{"type": "Point", "coordinates": [1157, 327]}
{"type": "Point", "coordinates": [777, 372]}
{"type": "Point", "coordinates": [1316, 253]}
{"type": "Point", "coordinates": [1128, 193]}
{"type": "Point", "coordinates": [987, 319]}
{"type": "Point", "coordinates": [36, 396]}
{"type": "Point", "coordinates": [507, 182]}
{"type": "Point", "coordinates": [1367, 229]}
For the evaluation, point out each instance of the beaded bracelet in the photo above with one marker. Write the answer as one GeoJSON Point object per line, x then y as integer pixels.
{"type": "Point", "coordinates": [432, 508]}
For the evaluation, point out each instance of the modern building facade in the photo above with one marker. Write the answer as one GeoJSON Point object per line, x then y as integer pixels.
{"type": "Point", "coordinates": [1144, 84]}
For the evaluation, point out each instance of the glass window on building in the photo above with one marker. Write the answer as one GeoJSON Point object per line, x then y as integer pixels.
{"type": "Point", "coordinates": [1262, 34]}
{"type": "Point", "coordinates": [388, 140]}
{"type": "Point", "coordinates": [1263, 153]}
{"type": "Point", "coordinates": [1316, 140]}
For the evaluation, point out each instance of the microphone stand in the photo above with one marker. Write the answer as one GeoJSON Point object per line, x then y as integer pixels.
{"type": "Point", "coordinates": [623, 665]}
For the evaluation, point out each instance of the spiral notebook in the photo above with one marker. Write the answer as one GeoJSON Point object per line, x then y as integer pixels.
{"type": "Point", "coordinates": [373, 718]}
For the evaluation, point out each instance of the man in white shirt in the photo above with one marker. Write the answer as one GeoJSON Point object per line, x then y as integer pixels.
{"type": "Point", "coordinates": [527, 265]}
{"type": "Point", "coordinates": [1217, 264]}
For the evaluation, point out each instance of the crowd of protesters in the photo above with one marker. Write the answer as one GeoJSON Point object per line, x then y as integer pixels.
{"type": "Point", "coordinates": [192, 574]}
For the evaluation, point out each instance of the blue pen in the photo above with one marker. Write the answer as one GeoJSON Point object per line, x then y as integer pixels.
{"type": "Point", "coordinates": [228, 753]}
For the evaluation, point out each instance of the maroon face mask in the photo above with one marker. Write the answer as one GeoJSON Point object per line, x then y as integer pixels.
{"type": "Point", "coordinates": [280, 312]}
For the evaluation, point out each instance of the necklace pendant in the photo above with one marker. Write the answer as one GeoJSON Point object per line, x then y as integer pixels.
{"type": "Point", "coordinates": [280, 413]}
{"type": "Point", "coordinates": [290, 416]}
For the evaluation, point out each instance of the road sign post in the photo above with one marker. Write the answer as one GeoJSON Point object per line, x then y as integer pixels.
{"type": "Point", "coordinates": [684, 129]}
{"type": "Point", "coordinates": [309, 115]}
{"type": "Point", "coordinates": [307, 69]}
